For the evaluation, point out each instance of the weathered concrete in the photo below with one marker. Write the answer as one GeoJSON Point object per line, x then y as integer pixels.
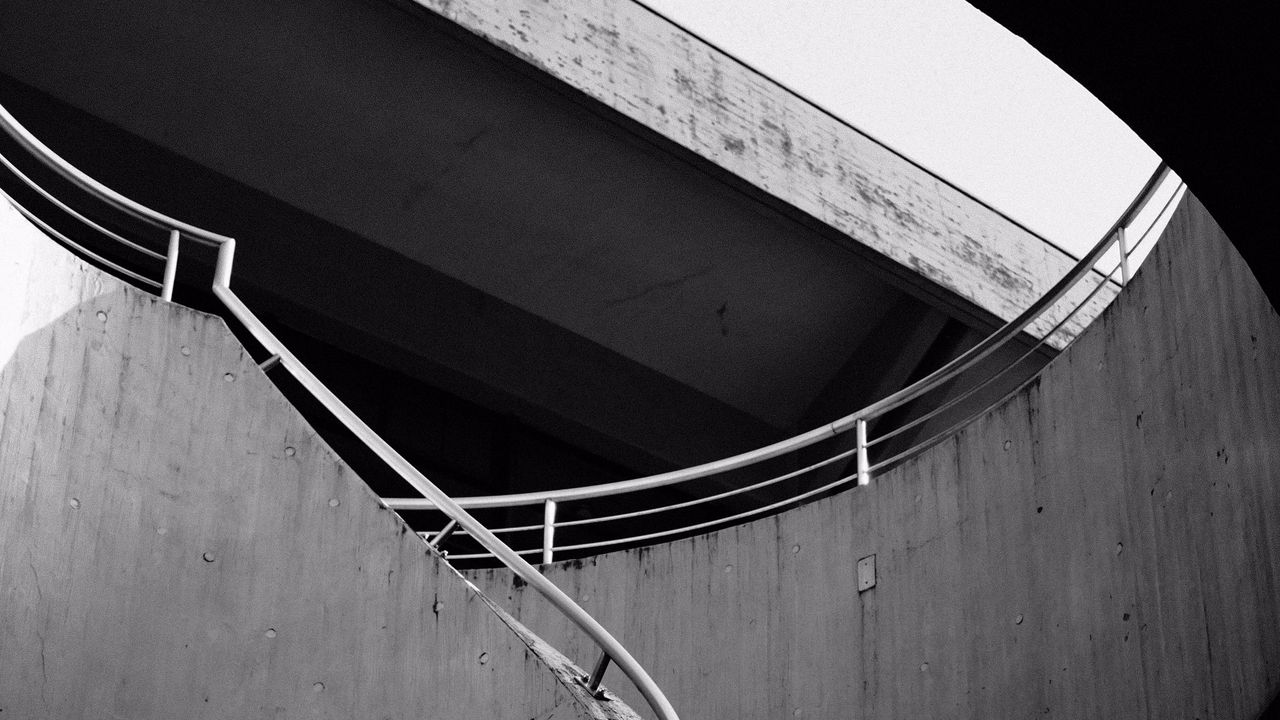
{"type": "Point", "coordinates": [606, 239]}
{"type": "Point", "coordinates": [175, 542]}
{"type": "Point", "coordinates": [1102, 545]}
{"type": "Point", "coordinates": [651, 70]}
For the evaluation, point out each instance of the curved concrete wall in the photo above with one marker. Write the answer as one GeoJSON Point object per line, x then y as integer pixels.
{"type": "Point", "coordinates": [1102, 545]}
{"type": "Point", "coordinates": [176, 542]}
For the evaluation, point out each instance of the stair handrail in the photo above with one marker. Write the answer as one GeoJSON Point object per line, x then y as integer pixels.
{"type": "Point", "coordinates": [856, 421]}
{"type": "Point", "coordinates": [1116, 237]}
{"type": "Point", "coordinates": [549, 524]}
{"type": "Point", "coordinates": [611, 649]}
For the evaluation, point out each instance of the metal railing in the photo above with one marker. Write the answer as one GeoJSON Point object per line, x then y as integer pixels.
{"type": "Point", "coordinates": [856, 454]}
{"type": "Point", "coordinates": [611, 649]}
{"type": "Point", "coordinates": [462, 528]}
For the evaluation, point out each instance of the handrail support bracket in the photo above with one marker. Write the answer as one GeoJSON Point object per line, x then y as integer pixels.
{"type": "Point", "coordinates": [592, 682]}
{"type": "Point", "coordinates": [444, 534]}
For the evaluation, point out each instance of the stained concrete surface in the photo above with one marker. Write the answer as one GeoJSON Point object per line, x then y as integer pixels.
{"type": "Point", "coordinates": [547, 170]}
{"type": "Point", "coordinates": [176, 542]}
{"type": "Point", "coordinates": [1103, 544]}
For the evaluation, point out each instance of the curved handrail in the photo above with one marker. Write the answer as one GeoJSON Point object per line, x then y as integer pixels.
{"type": "Point", "coordinates": [612, 649]}
{"type": "Point", "coordinates": [456, 508]}
{"type": "Point", "coordinates": [71, 173]}
{"type": "Point", "coordinates": [922, 386]}
{"type": "Point", "coordinates": [1135, 208]}
{"type": "Point", "coordinates": [826, 461]}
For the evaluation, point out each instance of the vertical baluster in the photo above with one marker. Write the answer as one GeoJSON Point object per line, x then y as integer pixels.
{"type": "Point", "coordinates": [170, 266]}
{"type": "Point", "coordinates": [1123, 244]}
{"type": "Point", "coordinates": [548, 530]}
{"type": "Point", "coordinates": [864, 473]}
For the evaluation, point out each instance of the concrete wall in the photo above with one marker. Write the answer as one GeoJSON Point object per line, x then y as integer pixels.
{"type": "Point", "coordinates": [175, 542]}
{"type": "Point", "coordinates": [1102, 545]}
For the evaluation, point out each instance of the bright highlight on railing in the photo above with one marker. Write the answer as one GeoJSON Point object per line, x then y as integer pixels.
{"type": "Point", "coordinates": [611, 649]}
{"type": "Point", "coordinates": [817, 462]}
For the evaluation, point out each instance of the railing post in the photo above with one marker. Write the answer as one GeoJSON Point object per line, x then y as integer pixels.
{"type": "Point", "coordinates": [170, 266]}
{"type": "Point", "coordinates": [548, 529]}
{"type": "Point", "coordinates": [864, 473]}
{"type": "Point", "coordinates": [1123, 244]}
{"type": "Point", "coordinates": [226, 257]}
{"type": "Point", "coordinates": [593, 680]}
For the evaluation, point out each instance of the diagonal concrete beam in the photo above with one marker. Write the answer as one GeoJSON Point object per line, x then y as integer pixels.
{"type": "Point", "coordinates": [656, 73]}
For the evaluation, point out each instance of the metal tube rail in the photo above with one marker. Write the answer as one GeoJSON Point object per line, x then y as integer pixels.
{"type": "Point", "coordinates": [222, 289]}
{"type": "Point", "coordinates": [1108, 278]}
{"type": "Point", "coordinates": [434, 498]}
{"type": "Point", "coordinates": [170, 266]}
{"type": "Point", "coordinates": [955, 427]}
{"type": "Point", "coordinates": [444, 534]}
{"type": "Point", "coordinates": [1156, 221]}
{"type": "Point", "coordinates": [687, 503]}
{"type": "Point", "coordinates": [1104, 280]}
{"type": "Point", "coordinates": [623, 486]}
{"type": "Point", "coordinates": [943, 374]}
{"type": "Point", "coordinates": [67, 209]}
{"type": "Point", "coordinates": [864, 468]}
{"type": "Point", "coordinates": [992, 378]}
{"type": "Point", "coordinates": [55, 162]}
{"type": "Point", "coordinates": [548, 531]}
{"type": "Point", "coordinates": [78, 247]}
{"type": "Point", "coordinates": [474, 528]}
{"type": "Point", "coordinates": [1013, 327]}
{"type": "Point", "coordinates": [803, 496]}
{"type": "Point", "coordinates": [688, 528]}
{"type": "Point", "coordinates": [858, 475]}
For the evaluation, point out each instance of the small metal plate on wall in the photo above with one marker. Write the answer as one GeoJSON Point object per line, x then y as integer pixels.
{"type": "Point", "coordinates": [866, 573]}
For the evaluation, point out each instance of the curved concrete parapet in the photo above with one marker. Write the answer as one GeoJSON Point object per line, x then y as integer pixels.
{"type": "Point", "coordinates": [176, 542]}
{"type": "Point", "coordinates": [1103, 544]}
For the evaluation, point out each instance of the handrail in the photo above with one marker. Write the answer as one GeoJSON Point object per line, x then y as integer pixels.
{"type": "Point", "coordinates": [922, 386]}
{"type": "Point", "coordinates": [67, 209]}
{"type": "Point", "coordinates": [649, 536]}
{"type": "Point", "coordinates": [78, 247]}
{"type": "Point", "coordinates": [611, 648]}
{"type": "Point", "coordinates": [456, 508]}
{"type": "Point", "coordinates": [96, 189]}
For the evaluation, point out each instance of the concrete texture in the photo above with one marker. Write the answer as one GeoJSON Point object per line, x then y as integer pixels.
{"type": "Point", "coordinates": [175, 542]}
{"type": "Point", "coordinates": [709, 238]}
{"type": "Point", "coordinates": [656, 73]}
{"type": "Point", "coordinates": [1102, 545]}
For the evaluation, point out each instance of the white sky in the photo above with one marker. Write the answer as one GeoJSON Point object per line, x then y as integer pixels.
{"type": "Point", "coordinates": [943, 84]}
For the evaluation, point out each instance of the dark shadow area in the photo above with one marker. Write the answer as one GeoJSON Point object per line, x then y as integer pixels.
{"type": "Point", "coordinates": [1196, 81]}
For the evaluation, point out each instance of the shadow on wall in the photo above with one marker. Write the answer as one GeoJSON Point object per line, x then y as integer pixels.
{"type": "Point", "coordinates": [176, 542]}
{"type": "Point", "coordinates": [1103, 544]}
